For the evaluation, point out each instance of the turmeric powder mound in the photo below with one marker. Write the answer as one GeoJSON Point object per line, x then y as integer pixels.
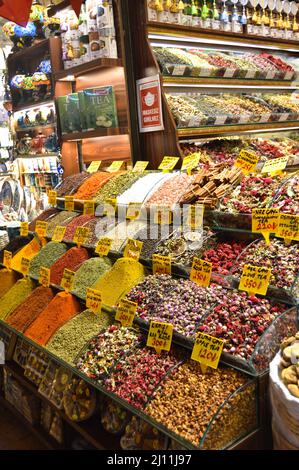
{"type": "Point", "coordinates": [122, 276]}
{"type": "Point", "coordinates": [22, 317]}
{"type": "Point", "coordinates": [71, 260]}
{"type": "Point", "coordinates": [14, 297]}
{"type": "Point", "coordinates": [90, 187]}
{"type": "Point", "coordinates": [29, 251]}
{"type": "Point", "coordinates": [7, 279]}
{"type": "Point", "coordinates": [61, 309]}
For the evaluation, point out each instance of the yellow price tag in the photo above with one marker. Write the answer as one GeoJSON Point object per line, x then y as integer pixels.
{"type": "Point", "coordinates": [247, 161]}
{"type": "Point", "coordinates": [201, 272]}
{"type": "Point", "coordinates": [126, 312]}
{"type": "Point", "coordinates": [168, 163]}
{"type": "Point", "coordinates": [207, 350]}
{"type": "Point", "coordinates": [41, 228]}
{"type": "Point", "coordinates": [52, 198]}
{"type": "Point", "coordinates": [265, 221]}
{"type": "Point", "coordinates": [163, 215]}
{"type": "Point", "coordinates": [160, 336]}
{"type": "Point", "coordinates": [134, 210]}
{"type": "Point", "coordinates": [288, 227]}
{"type": "Point", "coordinates": [161, 264]}
{"type": "Point", "coordinates": [195, 217]}
{"type": "Point", "coordinates": [69, 204]}
{"type": "Point", "coordinates": [255, 279]}
{"type": "Point", "coordinates": [191, 162]}
{"type": "Point", "coordinates": [115, 166]}
{"type": "Point", "coordinates": [110, 207]}
{"type": "Point", "coordinates": [277, 165]}
{"type": "Point", "coordinates": [89, 208]}
{"type": "Point", "coordinates": [25, 263]}
{"type": "Point", "coordinates": [94, 300]}
{"type": "Point", "coordinates": [103, 246]}
{"type": "Point", "coordinates": [140, 167]}
{"type": "Point", "coordinates": [24, 230]}
{"type": "Point", "coordinates": [7, 259]}
{"type": "Point", "coordinates": [133, 249]}
{"type": "Point", "coordinates": [44, 277]}
{"type": "Point", "coordinates": [58, 235]}
{"type": "Point", "coordinates": [67, 280]}
{"type": "Point", "coordinates": [81, 235]}
{"type": "Point", "coordinates": [94, 166]}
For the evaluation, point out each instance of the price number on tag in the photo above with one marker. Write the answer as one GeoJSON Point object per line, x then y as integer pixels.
{"type": "Point", "coordinates": [81, 235]}
{"type": "Point", "coordinates": [58, 235]}
{"type": "Point", "coordinates": [52, 198]}
{"type": "Point", "coordinates": [103, 246]}
{"type": "Point", "coordinates": [247, 161]}
{"type": "Point", "coordinates": [288, 227]}
{"type": "Point", "coordinates": [201, 272]}
{"type": "Point", "coordinates": [265, 221]}
{"type": "Point", "coordinates": [41, 228]}
{"type": "Point", "coordinates": [126, 312]}
{"type": "Point", "coordinates": [25, 263]}
{"type": "Point", "coordinates": [69, 203]}
{"type": "Point", "coordinates": [24, 230]}
{"type": "Point", "coordinates": [89, 208]}
{"type": "Point", "coordinates": [255, 279]}
{"type": "Point", "coordinates": [160, 336]}
{"type": "Point", "coordinates": [207, 350]}
{"type": "Point", "coordinates": [133, 249]}
{"type": "Point", "coordinates": [161, 264]}
{"type": "Point", "coordinates": [44, 277]}
{"type": "Point", "coordinates": [94, 300]}
{"type": "Point", "coordinates": [67, 280]}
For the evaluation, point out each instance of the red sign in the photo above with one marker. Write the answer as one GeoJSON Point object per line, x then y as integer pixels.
{"type": "Point", "coordinates": [150, 104]}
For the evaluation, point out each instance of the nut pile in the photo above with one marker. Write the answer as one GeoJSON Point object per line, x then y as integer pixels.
{"type": "Point", "coordinates": [289, 364]}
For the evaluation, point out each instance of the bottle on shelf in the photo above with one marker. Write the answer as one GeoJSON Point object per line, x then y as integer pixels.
{"type": "Point", "coordinates": [205, 16]}
{"type": "Point", "coordinates": [225, 18]}
{"type": "Point", "coordinates": [215, 21]}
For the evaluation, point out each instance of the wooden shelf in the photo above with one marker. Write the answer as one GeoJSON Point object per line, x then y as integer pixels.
{"type": "Point", "coordinates": [221, 36]}
{"type": "Point", "coordinates": [226, 129]}
{"type": "Point", "coordinates": [29, 51]}
{"type": "Point", "coordinates": [93, 134]}
{"type": "Point", "coordinates": [37, 104]}
{"type": "Point", "coordinates": [88, 67]}
{"type": "Point", "coordinates": [37, 155]}
{"type": "Point", "coordinates": [36, 128]}
{"type": "Point", "coordinates": [222, 82]}
{"type": "Point", "coordinates": [38, 431]}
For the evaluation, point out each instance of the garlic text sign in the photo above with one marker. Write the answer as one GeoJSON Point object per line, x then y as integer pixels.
{"type": "Point", "coordinates": [247, 161]}
{"type": "Point", "coordinates": [140, 166]}
{"type": "Point", "coordinates": [81, 235]}
{"type": "Point", "coordinates": [160, 336]}
{"type": "Point", "coordinates": [168, 163]}
{"type": "Point", "coordinates": [69, 204]}
{"type": "Point", "coordinates": [126, 312]}
{"type": "Point", "coordinates": [265, 221]}
{"type": "Point", "coordinates": [67, 280]}
{"type": "Point", "coordinates": [44, 277]}
{"type": "Point", "coordinates": [103, 246]}
{"type": "Point", "coordinates": [59, 233]}
{"type": "Point", "coordinates": [133, 249]}
{"type": "Point", "coordinates": [7, 259]}
{"type": "Point", "coordinates": [94, 166]}
{"type": "Point", "coordinates": [288, 227]}
{"type": "Point", "coordinates": [161, 264]}
{"type": "Point", "coordinates": [94, 300]}
{"type": "Point", "coordinates": [207, 350]}
{"type": "Point", "coordinates": [52, 198]}
{"type": "Point", "coordinates": [24, 230]}
{"type": "Point", "coordinates": [255, 279]}
{"type": "Point", "coordinates": [201, 272]}
{"type": "Point", "coordinates": [41, 228]}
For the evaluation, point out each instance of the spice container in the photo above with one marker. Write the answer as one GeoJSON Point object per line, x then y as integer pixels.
{"type": "Point", "coordinates": [79, 400]}
{"type": "Point", "coordinates": [114, 417]}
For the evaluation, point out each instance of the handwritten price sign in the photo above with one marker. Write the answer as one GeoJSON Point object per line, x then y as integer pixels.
{"type": "Point", "coordinates": [81, 235]}
{"type": "Point", "coordinates": [115, 166]}
{"type": "Point", "coordinates": [207, 350]}
{"type": "Point", "coordinates": [201, 272]}
{"type": "Point", "coordinates": [25, 263]}
{"type": "Point", "coordinates": [44, 277]}
{"type": "Point", "coordinates": [103, 246]}
{"type": "Point", "coordinates": [247, 161]}
{"type": "Point", "coordinates": [52, 198]}
{"type": "Point", "coordinates": [133, 249]}
{"type": "Point", "coordinates": [69, 203]}
{"type": "Point", "coordinates": [160, 336]}
{"type": "Point", "coordinates": [59, 233]}
{"type": "Point", "coordinates": [67, 280]}
{"type": "Point", "coordinates": [94, 300]}
{"type": "Point", "coordinates": [7, 259]}
{"type": "Point", "coordinates": [94, 167]}
{"type": "Point", "coordinates": [255, 279]}
{"type": "Point", "coordinates": [41, 228]}
{"type": "Point", "coordinates": [265, 221]}
{"type": "Point", "coordinates": [89, 208]}
{"type": "Point", "coordinates": [126, 312]}
{"type": "Point", "coordinates": [168, 163]}
{"type": "Point", "coordinates": [288, 227]}
{"type": "Point", "coordinates": [191, 162]}
{"type": "Point", "coordinates": [140, 167]}
{"type": "Point", "coordinates": [24, 230]}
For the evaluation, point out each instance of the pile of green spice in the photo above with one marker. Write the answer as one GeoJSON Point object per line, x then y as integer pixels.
{"type": "Point", "coordinates": [88, 273]}
{"type": "Point", "coordinates": [61, 219]}
{"type": "Point", "coordinates": [48, 255]}
{"type": "Point", "coordinates": [15, 296]}
{"type": "Point", "coordinates": [116, 186]}
{"type": "Point", "coordinates": [69, 340]}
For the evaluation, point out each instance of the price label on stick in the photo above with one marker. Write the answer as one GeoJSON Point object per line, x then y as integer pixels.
{"type": "Point", "coordinates": [69, 203]}
{"type": "Point", "coordinates": [207, 350]}
{"type": "Point", "coordinates": [168, 163]}
{"type": "Point", "coordinates": [201, 272]}
{"type": "Point", "coordinates": [191, 162]}
{"type": "Point", "coordinates": [52, 198]}
{"type": "Point", "coordinates": [59, 233]}
{"type": "Point", "coordinates": [103, 246]}
{"type": "Point", "coordinates": [89, 208]}
{"type": "Point", "coordinates": [110, 207]}
{"type": "Point", "coordinates": [265, 221]}
{"type": "Point", "coordinates": [162, 215]}
{"type": "Point", "coordinates": [67, 280]}
{"type": "Point", "coordinates": [41, 228]}
{"type": "Point", "coordinates": [94, 167]}
{"type": "Point", "coordinates": [94, 300]}
{"type": "Point", "coordinates": [7, 259]}
{"type": "Point", "coordinates": [255, 279]}
{"type": "Point", "coordinates": [24, 230]}
{"type": "Point", "coordinates": [126, 312]}
{"type": "Point", "coordinates": [115, 166]}
{"type": "Point", "coordinates": [140, 167]}
{"type": "Point", "coordinates": [25, 263]}
{"type": "Point", "coordinates": [44, 277]}
{"type": "Point", "coordinates": [81, 235]}
{"type": "Point", "coordinates": [160, 336]}
{"type": "Point", "coordinates": [195, 217]}
{"type": "Point", "coordinates": [275, 166]}
{"type": "Point", "coordinates": [288, 227]}
{"type": "Point", "coordinates": [133, 249]}
{"type": "Point", "coordinates": [134, 210]}
{"type": "Point", "coordinates": [161, 264]}
{"type": "Point", "coordinates": [247, 161]}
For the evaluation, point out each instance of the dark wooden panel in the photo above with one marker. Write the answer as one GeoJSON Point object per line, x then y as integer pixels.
{"type": "Point", "coordinates": [70, 158]}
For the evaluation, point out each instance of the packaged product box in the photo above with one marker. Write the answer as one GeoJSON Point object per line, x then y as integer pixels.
{"type": "Point", "coordinates": [91, 14]}
{"type": "Point", "coordinates": [98, 108]}
{"type": "Point", "coordinates": [105, 17]}
{"type": "Point", "coordinates": [69, 113]}
{"type": "Point", "coordinates": [108, 45]}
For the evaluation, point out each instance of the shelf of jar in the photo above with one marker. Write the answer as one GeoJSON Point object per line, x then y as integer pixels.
{"type": "Point", "coordinates": [88, 67]}
{"type": "Point", "coordinates": [229, 129]}
{"type": "Point", "coordinates": [36, 128]}
{"type": "Point", "coordinates": [218, 36]}
{"type": "Point", "coordinates": [77, 136]}
{"type": "Point", "coordinates": [227, 82]}
{"type": "Point", "coordinates": [37, 104]}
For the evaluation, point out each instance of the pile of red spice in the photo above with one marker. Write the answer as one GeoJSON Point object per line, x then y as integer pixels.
{"type": "Point", "coordinates": [72, 260]}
